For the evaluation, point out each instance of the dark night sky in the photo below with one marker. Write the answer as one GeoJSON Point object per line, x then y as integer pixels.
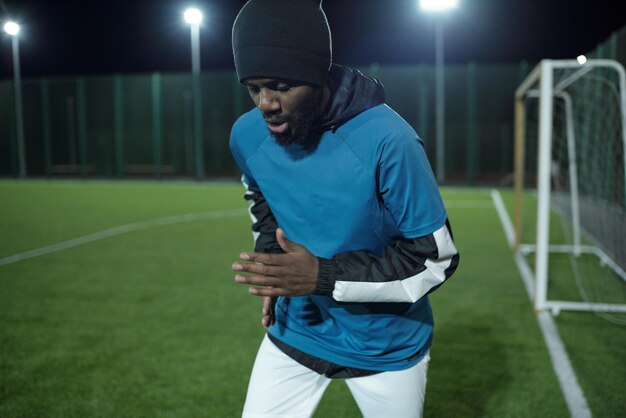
{"type": "Point", "coordinates": [62, 37]}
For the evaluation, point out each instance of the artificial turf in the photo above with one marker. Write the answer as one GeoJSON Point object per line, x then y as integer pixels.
{"type": "Point", "coordinates": [149, 323]}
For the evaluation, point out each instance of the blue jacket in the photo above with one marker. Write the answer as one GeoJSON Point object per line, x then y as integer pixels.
{"type": "Point", "coordinates": [365, 202]}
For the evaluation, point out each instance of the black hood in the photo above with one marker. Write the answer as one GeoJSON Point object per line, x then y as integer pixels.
{"type": "Point", "coordinates": [352, 92]}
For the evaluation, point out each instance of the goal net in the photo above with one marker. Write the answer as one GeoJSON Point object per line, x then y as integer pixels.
{"type": "Point", "coordinates": [570, 186]}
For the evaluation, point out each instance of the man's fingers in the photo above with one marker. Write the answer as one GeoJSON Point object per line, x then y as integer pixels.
{"type": "Point", "coordinates": [255, 280]}
{"type": "Point", "coordinates": [266, 319]}
{"type": "Point", "coordinates": [283, 241]}
{"type": "Point", "coordinates": [256, 268]}
{"type": "Point", "coordinates": [263, 258]}
{"type": "Point", "coordinates": [266, 291]}
{"type": "Point", "coordinates": [287, 245]}
{"type": "Point", "coordinates": [267, 306]}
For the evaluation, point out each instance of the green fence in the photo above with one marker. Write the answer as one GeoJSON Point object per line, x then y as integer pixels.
{"type": "Point", "coordinates": [142, 125]}
{"type": "Point", "coordinates": [126, 126]}
{"type": "Point", "coordinates": [121, 125]}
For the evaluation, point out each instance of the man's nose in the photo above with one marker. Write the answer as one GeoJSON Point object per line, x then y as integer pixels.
{"type": "Point", "coordinates": [268, 102]}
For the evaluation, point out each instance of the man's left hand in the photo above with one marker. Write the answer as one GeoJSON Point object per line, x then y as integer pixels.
{"type": "Point", "coordinates": [293, 273]}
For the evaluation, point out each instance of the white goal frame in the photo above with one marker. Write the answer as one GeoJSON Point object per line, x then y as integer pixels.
{"type": "Point", "coordinates": [547, 93]}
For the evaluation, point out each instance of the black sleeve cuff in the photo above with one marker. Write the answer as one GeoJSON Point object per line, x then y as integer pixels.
{"type": "Point", "coordinates": [272, 249]}
{"type": "Point", "coordinates": [326, 276]}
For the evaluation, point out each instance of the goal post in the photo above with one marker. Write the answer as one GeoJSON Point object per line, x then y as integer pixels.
{"type": "Point", "coordinates": [570, 185]}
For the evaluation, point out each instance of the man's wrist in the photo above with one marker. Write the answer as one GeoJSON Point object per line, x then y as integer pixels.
{"type": "Point", "coordinates": [326, 277]}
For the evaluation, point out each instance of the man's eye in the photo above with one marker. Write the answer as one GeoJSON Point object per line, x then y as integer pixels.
{"type": "Point", "coordinates": [253, 89]}
{"type": "Point", "coordinates": [283, 87]}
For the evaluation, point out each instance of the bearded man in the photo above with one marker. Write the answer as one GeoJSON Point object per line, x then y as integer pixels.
{"type": "Point", "coordinates": [350, 231]}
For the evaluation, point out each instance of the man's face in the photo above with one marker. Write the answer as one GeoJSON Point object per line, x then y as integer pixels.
{"type": "Point", "coordinates": [291, 111]}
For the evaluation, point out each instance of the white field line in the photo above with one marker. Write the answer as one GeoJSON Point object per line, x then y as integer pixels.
{"type": "Point", "coordinates": [572, 391]}
{"type": "Point", "coordinates": [574, 396]}
{"type": "Point", "coordinates": [123, 229]}
{"type": "Point", "coordinates": [509, 232]}
{"type": "Point", "coordinates": [527, 275]}
{"type": "Point", "coordinates": [504, 218]}
{"type": "Point", "coordinates": [460, 204]}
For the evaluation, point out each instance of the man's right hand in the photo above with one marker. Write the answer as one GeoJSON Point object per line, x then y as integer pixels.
{"type": "Point", "coordinates": [268, 312]}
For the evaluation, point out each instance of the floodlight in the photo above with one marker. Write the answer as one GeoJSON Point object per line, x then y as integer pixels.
{"type": "Point", "coordinates": [11, 28]}
{"type": "Point", "coordinates": [581, 59]}
{"type": "Point", "coordinates": [193, 16]}
{"type": "Point", "coordinates": [438, 5]}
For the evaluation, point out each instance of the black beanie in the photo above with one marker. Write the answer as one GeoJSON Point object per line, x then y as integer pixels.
{"type": "Point", "coordinates": [287, 39]}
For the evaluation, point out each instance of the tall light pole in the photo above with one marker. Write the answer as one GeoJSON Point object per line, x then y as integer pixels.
{"type": "Point", "coordinates": [13, 30]}
{"type": "Point", "coordinates": [439, 7]}
{"type": "Point", "coordinates": [194, 17]}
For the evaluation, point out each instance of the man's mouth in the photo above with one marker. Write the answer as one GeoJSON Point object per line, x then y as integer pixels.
{"type": "Point", "coordinates": [276, 126]}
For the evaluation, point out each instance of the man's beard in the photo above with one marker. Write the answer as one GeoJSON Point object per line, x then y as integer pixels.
{"type": "Point", "coordinates": [304, 125]}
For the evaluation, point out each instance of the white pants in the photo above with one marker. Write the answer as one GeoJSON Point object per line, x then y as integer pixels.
{"type": "Point", "coordinates": [281, 387]}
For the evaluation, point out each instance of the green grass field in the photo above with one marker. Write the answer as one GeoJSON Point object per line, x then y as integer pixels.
{"type": "Point", "coordinates": [149, 323]}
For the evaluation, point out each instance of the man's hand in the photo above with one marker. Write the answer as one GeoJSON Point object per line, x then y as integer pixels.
{"type": "Point", "coordinates": [291, 274]}
{"type": "Point", "coordinates": [268, 312]}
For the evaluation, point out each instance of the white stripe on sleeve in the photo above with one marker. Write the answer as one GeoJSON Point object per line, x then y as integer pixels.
{"type": "Point", "coordinates": [410, 289]}
{"type": "Point", "coordinates": [255, 235]}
